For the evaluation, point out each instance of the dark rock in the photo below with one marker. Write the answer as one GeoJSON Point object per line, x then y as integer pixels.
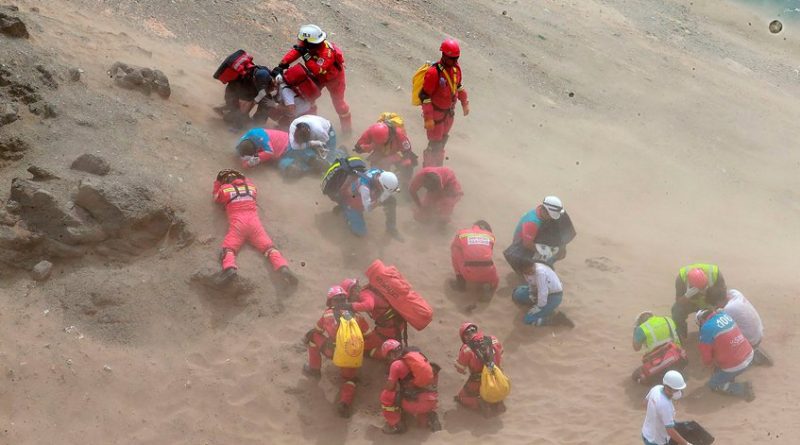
{"type": "Point", "coordinates": [90, 163]}
{"type": "Point", "coordinates": [43, 109]}
{"type": "Point", "coordinates": [11, 147]}
{"type": "Point", "coordinates": [12, 26]}
{"type": "Point", "coordinates": [42, 212]}
{"type": "Point", "coordinates": [41, 271]}
{"type": "Point", "coordinates": [47, 76]}
{"type": "Point", "coordinates": [41, 174]}
{"type": "Point", "coordinates": [8, 113]}
{"type": "Point", "coordinates": [145, 80]}
{"type": "Point", "coordinates": [75, 74]}
{"type": "Point", "coordinates": [24, 92]}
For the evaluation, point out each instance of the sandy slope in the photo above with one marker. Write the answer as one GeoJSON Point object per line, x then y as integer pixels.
{"type": "Point", "coordinates": [678, 145]}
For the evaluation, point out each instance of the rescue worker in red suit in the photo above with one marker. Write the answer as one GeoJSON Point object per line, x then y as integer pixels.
{"type": "Point", "coordinates": [477, 350]}
{"type": "Point", "coordinates": [471, 254]}
{"type": "Point", "coordinates": [388, 148]}
{"type": "Point", "coordinates": [325, 61]}
{"type": "Point", "coordinates": [321, 340]}
{"type": "Point", "coordinates": [443, 191]}
{"type": "Point", "coordinates": [440, 90]}
{"type": "Point", "coordinates": [399, 395]}
{"type": "Point", "coordinates": [388, 323]}
{"type": "Point", "coordinates": [238, 195]}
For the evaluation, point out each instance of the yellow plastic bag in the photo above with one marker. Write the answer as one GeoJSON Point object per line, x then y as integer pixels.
{"type": "Point", "coordinates": [392, 119]}
{"type": "Point", "coordinates": [416, 83]}
{"type": "Point", "coordinates": [495, 386]}
{"type": "Point", "coordinates": [349, 351]}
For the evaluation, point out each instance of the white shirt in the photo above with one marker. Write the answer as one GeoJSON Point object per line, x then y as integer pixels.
{"type": "Point", "coordinates": [745, 316]}
{"type": "Point", "coordinates": [546, 282]}
{"type": "Point", "coordinates": [320, 129]}
{"type": "Point", "coordinates": [289, 97]}
{"type": "Point", "coordinates": [660, 416]}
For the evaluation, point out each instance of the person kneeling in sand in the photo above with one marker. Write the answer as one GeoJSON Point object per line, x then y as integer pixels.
{"type": "Point", "coordinates": [543, 295]}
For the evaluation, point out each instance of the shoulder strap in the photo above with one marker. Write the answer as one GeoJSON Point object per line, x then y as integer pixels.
{"type": "Point", "coordinates": [669, 325]}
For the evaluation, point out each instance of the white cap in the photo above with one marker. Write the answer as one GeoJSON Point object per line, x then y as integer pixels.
{"type": "Point", "coordinates": [311, 34]}
{"type": "Point", "coordinates": [553, 206]}
{"type": "Point", "coordinates": [674, 380]}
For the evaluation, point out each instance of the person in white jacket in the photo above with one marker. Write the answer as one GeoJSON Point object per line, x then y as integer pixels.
{"type": "Point", "coordinates": [543, 295]}
{"type": "Point", "coordinates": [310, 139]}
{"type": "Point", "coordinates": [735, 304]}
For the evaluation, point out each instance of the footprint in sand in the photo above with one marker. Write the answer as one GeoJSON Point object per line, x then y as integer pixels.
{"type": "Point", "coordinates": [603, 264]}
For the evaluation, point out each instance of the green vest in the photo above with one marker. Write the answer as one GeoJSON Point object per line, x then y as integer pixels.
{"type": "Point", "coordinates": [711, 270]}
{"type": "Point", "coordinates": [659, 331]}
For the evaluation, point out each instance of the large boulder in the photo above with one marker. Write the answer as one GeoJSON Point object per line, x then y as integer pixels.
{"type": "Point", "coordinates": [12, 26]}
{"type": "Point", "coordinates": [90, 163]}
{"type": "Point", "coordinates": [146, 80]}
{"type": "Point", "coordinates": [130, 212]}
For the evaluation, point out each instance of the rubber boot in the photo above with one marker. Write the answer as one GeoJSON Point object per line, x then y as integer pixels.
{"type": "Point", "coordinates": [288, 277]}
{"type": "Point", "coordinates": [433, 422]}
{"type": "Point", "coordinates": [313, 373]}
{"type": "Point", "coordinates": [459, 283]}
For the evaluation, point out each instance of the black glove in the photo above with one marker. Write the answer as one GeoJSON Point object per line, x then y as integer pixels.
{"type": "Point", "coordinates": [358, 149]}
{"type": "Point", "coordinates": [279, 69]}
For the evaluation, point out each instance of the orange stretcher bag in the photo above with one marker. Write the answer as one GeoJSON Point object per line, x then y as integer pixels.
{"type": "Point", "coordinates": [390, 283]}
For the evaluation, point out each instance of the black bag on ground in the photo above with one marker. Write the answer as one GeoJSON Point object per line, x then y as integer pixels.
{"type": "Point", "coordinates": [518, 256]}
{"type": "Point", "coordinates": [693, 433]}
{"type": "Point", "coordinates": [338, 172]}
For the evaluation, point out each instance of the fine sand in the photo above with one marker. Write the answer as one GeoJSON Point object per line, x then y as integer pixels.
{"type": "Point", "coordinates": [668, 128]}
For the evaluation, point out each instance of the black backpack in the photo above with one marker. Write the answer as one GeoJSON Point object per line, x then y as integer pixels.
{"type": "Point", "coordinates": [338, 173]}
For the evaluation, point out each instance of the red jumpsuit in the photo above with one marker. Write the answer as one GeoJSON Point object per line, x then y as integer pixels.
{"type": "Point", "coordinates": [388, 323]}
{"type": "Point", "coordinates": [436, 206]}
{"type": "Point", "coordinates": [239, 199]}
{"type": "Point", "coordinates": [471, 254]}
{"type": "Point", "coordinates": [441, 89]}
{"type": "Point", "coordinates": [322, 341]}
{"type": "Point", "coordinates": [424, 403]}
{"type": "Point", "coordinates": [326, 63]}
{"type": "Point", "coordinates": [278, 143]}
{"type": "Point", "coordinates": [386, 153]}
{"type": "Point", "coordinates": [468, 361]}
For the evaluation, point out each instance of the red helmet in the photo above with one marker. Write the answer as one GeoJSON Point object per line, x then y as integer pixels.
{"type": "Point", "coordinates": [348, 284]}
{"type": "Point", "coordinates": [334, 292]}
{"type": "Point", "coordinates": [463, 330]}
{"type": "Point", "coordinates": [379, 133]}
{"type": "Point", "coordinates": [450, 48]}
{"type": "Point", "coordinates": [389, 346]}
{"type": "Point", "coordinates": [697, 278]}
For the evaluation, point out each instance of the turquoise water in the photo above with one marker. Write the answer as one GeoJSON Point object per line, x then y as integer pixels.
{"type": "Point", "coordinates": [780, 9]}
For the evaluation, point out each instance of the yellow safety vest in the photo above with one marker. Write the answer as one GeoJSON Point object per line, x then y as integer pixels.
{"type": "Point", "coordinates": [659, 331]}
{"type": "Point", "coordinates": [711, 271]}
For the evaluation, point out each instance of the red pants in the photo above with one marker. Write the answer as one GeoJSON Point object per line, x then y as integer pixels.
{"type": "Point", "coordinates": [336, 88]}
{"type": "Point", "coordinates": [426, 402]}
{"type": "Point", "coordinates": [469, 395]}
{"type": "Point", "coordinates": [436, 209]}
{"type": "Point", "coordinates": [316, 348]}
{"type": "Point", "coordinates": [474, 274]}
{"type": "Point", "coordinates": [375, 338]}
{"type": "Point", "coordinates": [244, 226]}
{"type": "Point", "coordinates": [434, 155]}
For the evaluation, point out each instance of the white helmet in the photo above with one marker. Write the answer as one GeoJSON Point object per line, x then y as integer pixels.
{"type": "Point", "coordinates": [312, 34]}
{"type": "Point", "coordinates": [674, 380]}
{"type": "Point", "coordinates": [553, 206]}
{"type": "Point", "coordinates": [389, 182]}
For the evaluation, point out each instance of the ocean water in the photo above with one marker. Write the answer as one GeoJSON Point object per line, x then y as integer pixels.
{"type": "Point", "coordinates": [779, 9]}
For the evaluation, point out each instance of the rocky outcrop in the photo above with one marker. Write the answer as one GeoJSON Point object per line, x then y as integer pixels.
{"type": "Point", "coordinates": [115, 219]}
{"type": "Point", "coordinates": [146, 80]}
{"type": "Point", "coordinates": [90, 163]}
{"type": "Point", "coordinates": [11, 25]}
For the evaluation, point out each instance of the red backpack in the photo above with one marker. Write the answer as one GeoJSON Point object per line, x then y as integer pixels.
{"type": "Point", "coordinates": [421, 369]}
{"type": "Point", "coordinates": [300, 79]}
{"type": "Point", "coordinates": [234, 67]}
